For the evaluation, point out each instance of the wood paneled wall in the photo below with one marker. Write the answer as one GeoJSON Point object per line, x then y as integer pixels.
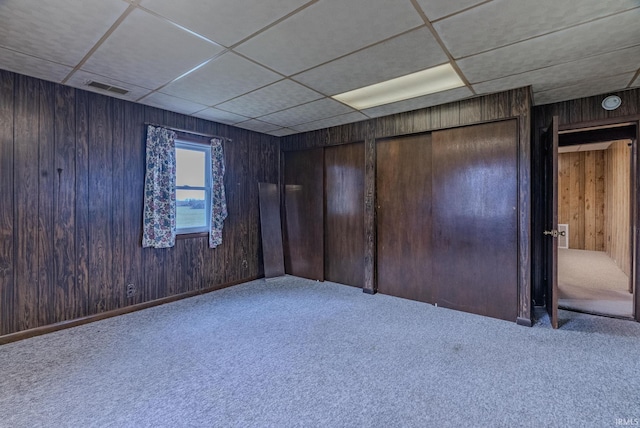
{"type": "Point", "coordinates": [513, 103]}
{"type": "Point", "coordinates": [617, 207]}
{"type": "Point", "coordinates": [568, 112]}
{"type": "Point", "coordinates": [581, 196]}
{"type": "Point", "coordinates": [71, 180]}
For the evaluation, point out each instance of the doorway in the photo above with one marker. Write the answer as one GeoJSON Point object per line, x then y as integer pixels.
{"type": "Point", "coordinates": [591, 183]}
{"type": "Point", "coordinates": [594, 207]}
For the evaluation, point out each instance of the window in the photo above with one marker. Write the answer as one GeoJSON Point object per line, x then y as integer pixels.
{"type": "Point", "coordinates": [193, 187]}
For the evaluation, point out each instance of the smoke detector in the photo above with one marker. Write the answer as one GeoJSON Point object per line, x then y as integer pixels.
{"type": "Point", "coordinates": [612, 102]}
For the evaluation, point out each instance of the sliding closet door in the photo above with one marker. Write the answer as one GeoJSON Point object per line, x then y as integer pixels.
{"type": "Point", "coordinates": [344, 214]}
{"type": "Point", "coordinates": [403, 186]}
{"type": "Point", "coordinates": [475, 219]}
{"type": "Point", "coordinates": [304, 217]}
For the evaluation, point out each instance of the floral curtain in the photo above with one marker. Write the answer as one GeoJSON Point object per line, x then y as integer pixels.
{"type": "Point", "coordinates": [159, 224]}
{"type": "Point", "coordinates": [218, 200]}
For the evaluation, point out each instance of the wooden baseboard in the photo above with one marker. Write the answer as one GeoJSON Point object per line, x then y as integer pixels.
{"type": "Point", "coordinates": [38, 331]}
{"type": "Point", "coordinates": [524, 321]}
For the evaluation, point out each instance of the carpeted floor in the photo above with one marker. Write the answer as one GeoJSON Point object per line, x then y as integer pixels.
{"type": "Point", "coordinates": [590, 281]}
{"type": "Point", "coordinates": [299, 353]}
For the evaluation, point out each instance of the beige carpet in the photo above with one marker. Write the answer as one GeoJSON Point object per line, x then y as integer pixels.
{"type": "Point", "coordinates": [590, 281]}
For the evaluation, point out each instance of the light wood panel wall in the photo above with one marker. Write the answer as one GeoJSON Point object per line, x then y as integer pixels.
{"type": "Point", "coordinates": [71, 186]}
{"type": "Point", "coordinates": [581, 197]}
{"type": "Point", "coordinates": [617, 206]}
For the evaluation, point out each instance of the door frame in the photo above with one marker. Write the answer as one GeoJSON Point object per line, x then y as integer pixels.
{"type": "Point", "coordinates": [635, 194]}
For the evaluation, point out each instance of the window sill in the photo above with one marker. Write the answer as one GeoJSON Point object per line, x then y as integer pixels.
{"type": "Point", "coordinates": [192, 235]}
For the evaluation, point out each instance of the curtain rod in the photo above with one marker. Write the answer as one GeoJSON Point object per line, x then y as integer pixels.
{"type": "Point", "coordinates": [201, 134]}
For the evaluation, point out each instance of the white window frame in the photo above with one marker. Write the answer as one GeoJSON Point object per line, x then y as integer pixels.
{"type": "Point", "coordinates": [187, 145]}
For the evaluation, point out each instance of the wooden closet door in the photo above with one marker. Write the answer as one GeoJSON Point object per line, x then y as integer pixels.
{"type": "Point", "coordinates": [403, 186]}
{"type": "Point", "coordinates": [304, 213]}
{"type": "Point", "coordinates": [344, 214]}
{"type": "Point", "coordinates": [475, 218]}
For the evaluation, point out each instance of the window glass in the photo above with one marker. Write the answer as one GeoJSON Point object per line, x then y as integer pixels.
{"type": "Point", "coordinates": [193, 188]}
{"type": "Point", "coordinates": [190, 169]}
{"type": "Point", "coordinates": [190, 209]}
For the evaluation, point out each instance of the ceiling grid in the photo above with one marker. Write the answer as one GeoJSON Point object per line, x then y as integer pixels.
{"type": "Point", "coordinates": [273, 66]}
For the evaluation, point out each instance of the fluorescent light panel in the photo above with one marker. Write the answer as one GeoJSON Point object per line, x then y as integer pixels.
{"type": "Point", "coordinates": [412, 85]}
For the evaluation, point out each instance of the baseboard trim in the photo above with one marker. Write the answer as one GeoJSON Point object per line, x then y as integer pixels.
{"type": "Point", "coordinates": [369, 291]}
{"type": "Point", "coordinates": [38, 331]}
{"type": "Point", "coordinates": [524, 321]}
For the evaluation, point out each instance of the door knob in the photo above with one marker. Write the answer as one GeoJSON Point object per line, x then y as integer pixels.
{"type": "Point", "coordinates": [555, 233]}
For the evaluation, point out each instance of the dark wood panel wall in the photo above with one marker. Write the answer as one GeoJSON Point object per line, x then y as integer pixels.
{"type": "Point", "coordinates": [344, 214]}
{"type": "Point", "coordinates": [510, 104]}
{"type": "Point", "coordinates": [71, 180]}
{"type": "Point", "coordinates": [568, 112]}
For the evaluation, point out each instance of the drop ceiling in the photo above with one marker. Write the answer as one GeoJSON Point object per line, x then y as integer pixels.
{"type": "Point", "coordinates": [272, 66]}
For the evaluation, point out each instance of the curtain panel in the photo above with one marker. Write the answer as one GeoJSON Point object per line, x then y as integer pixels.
{"type": "Point", "coordinates": [218, 200]}
{"type": "Point", "coordinates": [159, 219]}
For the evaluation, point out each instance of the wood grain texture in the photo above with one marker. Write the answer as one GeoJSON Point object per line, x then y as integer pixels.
{"type": "Point", "coordinates": [117, 294]}
{"type": "Point", "coordinates": [82, 203]}
{"type": "Point", "coordinates": [404, 205]}
{"type": "Point", "coordinates": [26, 174]}
{"type": "Point", "coordinates": [344, 214]}
{"type": "Point", "coordinates": [618, 208]}
{"type": "Point", "coordinates": [72, 174]}
{"type": "Point", "coordinates": [304, 219]}
{"type": "Point", "coordinates": [7, 235]}
{"type": "Point", "coordinates": [475, 219]}
{"type": "Point", "coordinates": [550, 140]}
{"type": "Point", "coordinates": [46, 159]}
{"type": "Point", "coordinates": [581, 198]}
{"type": "Point", "coordinates": [100, 203]}
{"type": "Point", "coordinates": [65, 302]}
{"type": "Point", "coordinates": [271, 230]}
{"type": "Point", "coordinates": [370, 221]}
{"type": "Point", "coordinates": [134, 146]}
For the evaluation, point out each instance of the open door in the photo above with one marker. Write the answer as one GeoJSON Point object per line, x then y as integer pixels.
{"type": "Point", "coordinates": [550, 139]}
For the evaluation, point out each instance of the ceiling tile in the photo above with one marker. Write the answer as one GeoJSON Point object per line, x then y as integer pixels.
{"type": "Point", "coordinates": [312, 111]}
{"type": "Point", "coordinates": [419, 102]}
{"type": "Point", "coordinates": [148, 51]}
{"type": "Point", "coordinates": [282, 132]}
{"type": "Point", "coordinates": [32, 66]}
{"type": "Point", "coordinates": [220, 116]}
{"type": "Point", "coordinates": [329, 29]}
{"type": "Point", "coordinates": [224, 78]}
{"type": "Point", "coordinates": [168, 102]}
{"type": "Point", "coordinates": [80, 78]}
{"type": "Point", "coordinates": [258, 126]}
{"type": "Point", "coordinates": [517, 20]}
{"type": "Point", "coordinates": [636, 82]}
{"type": "Point", "coordinates": [574, 43]}
{"type": "Point", "coordinates": [62, 31]}
{"type": "Point", "coordinates": [436, 9]}
{"type": "Point", "coordinates": [211, 19]}
{"type": "Point", "coordinates": [355, 116]}
{"type": "Point", "coordinates": [565, 74]}
{"type": "Point", "coordinates": [584, 89]}
{"type": "Point", "coordinates": [279, 96]}
{"type": "Point", "coordinates": [405, 54]}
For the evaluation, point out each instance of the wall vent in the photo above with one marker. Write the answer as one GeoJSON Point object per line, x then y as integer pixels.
{"type": "Point", "coordinates": [107, 88]}
{"type": "Point", "coordinates": [563, 241]}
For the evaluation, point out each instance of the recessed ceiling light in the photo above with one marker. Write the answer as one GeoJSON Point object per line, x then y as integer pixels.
{"type": "Point", "coordinates": [612, 102]}
{"type": "Point", "coordinates": [413, 85]}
